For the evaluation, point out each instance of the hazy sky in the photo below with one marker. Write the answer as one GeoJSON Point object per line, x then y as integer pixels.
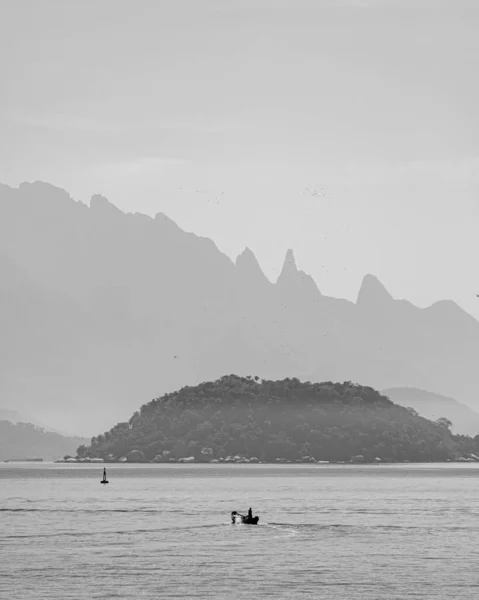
{"type": "Point", "coordinates": [347, 130]}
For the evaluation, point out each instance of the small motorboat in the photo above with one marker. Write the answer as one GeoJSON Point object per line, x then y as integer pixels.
{"type": "Point", "coordinates": [104, 480]}
{"type": "Point", "coordinates": [248, 519]}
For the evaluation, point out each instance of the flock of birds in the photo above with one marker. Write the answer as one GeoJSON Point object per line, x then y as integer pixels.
{"type": "Point", "coordinates": [315, 192]}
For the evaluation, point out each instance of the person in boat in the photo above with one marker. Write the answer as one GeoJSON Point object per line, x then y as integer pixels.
{"type": "Point", "coordinates": [250, 513]}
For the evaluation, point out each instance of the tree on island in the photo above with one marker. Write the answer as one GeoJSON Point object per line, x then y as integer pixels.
{"type": "Point", "coordinates": [444, 422]}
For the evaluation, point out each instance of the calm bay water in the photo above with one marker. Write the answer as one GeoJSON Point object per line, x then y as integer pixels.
{"type": "Point", "coordinates": [163, 531]}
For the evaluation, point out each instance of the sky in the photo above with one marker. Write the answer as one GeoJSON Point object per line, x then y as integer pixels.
{"type": "Point", "coordinates": [346, 130]}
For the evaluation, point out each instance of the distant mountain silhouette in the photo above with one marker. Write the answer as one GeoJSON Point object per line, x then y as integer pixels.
{"type": "Point", "coordinates": [434, 406]}
{"type": "Point", "coordinates": [100, 310]}
{"type": "Point", "coordinates": [25, 440]}
{"type": "Point", "coordinates": [373, 295]}
{"type": "Point", "coordinates": [295, 287]}
{"type": "Point", "coordinates": [14, 417]}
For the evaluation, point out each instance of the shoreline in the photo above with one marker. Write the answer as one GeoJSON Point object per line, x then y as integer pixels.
{"type": "Point", "coordinates": [234, 466]}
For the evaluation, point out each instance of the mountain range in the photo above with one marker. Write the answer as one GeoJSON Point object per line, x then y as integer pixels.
{"type": "Point", "coordinates": [101, 311]}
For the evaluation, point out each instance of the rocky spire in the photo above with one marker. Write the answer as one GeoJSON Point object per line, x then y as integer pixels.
{"type": "Point", "coordinates": [296, 283]}
{"type": "Point", "coordinates": [289, 270]}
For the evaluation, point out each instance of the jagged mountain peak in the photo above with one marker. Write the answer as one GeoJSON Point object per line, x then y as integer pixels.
{"type": "Point", "coordinates": [45, 195]}
{"type": "Point", "coordinates": [289, 265]}
{"type": "Point", "coordinates": [294, 280]}
{"type": "Point", "coordinates": [247, 253]}
{"type": "Point", "coordinates": [99, 202]}
{"type": "Point", "coordinates": [42, 186]}
{"type": "Point", "coordinates": [248, 267]}
{"type": "Point", "coordinates": [372, 292]}
{"type": "Point", "coordinates": [247, 257]}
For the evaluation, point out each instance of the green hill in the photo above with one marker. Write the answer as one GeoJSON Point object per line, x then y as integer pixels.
{"type": "Point", "coordinates": [274, 420]}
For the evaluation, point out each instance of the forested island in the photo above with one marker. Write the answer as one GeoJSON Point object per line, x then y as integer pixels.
{"type": "Point", "coordinates": [246, 419]}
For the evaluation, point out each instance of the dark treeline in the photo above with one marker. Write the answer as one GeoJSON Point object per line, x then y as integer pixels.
{"type": "Point", "coordinates": [274, 420]}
